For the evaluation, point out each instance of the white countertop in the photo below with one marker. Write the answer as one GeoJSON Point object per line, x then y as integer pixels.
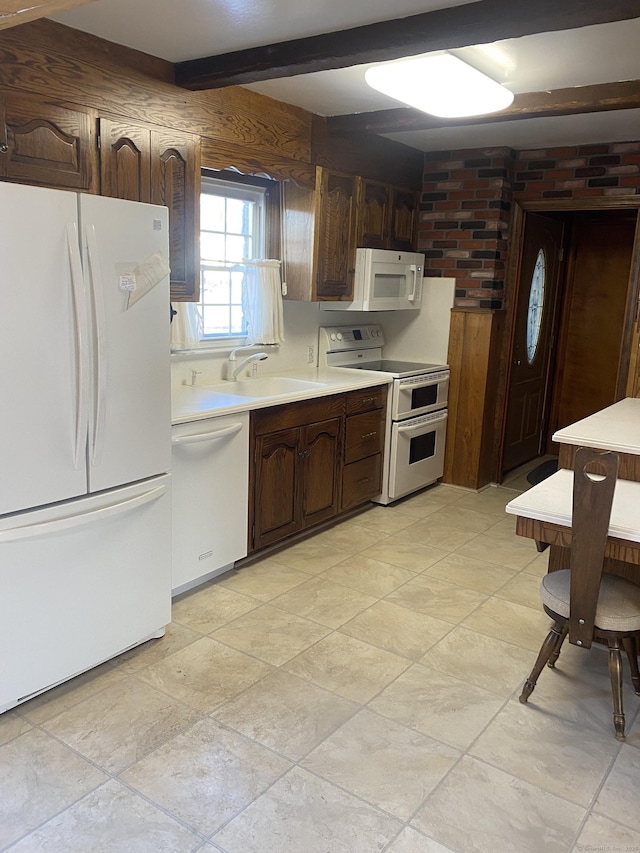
{"type": "Point", "coordinates": [193, 403]}
{"type": "Point", "coordinates": [615, 428]}
{"type": "Point", "coordinates": [552, 499]}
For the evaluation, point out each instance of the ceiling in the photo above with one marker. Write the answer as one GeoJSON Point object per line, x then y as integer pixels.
{"type": "Point", "coordinates": [603, 53]}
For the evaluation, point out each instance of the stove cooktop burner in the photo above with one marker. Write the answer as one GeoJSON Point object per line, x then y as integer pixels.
{"type": "Point", "coordinates": [396, 368]}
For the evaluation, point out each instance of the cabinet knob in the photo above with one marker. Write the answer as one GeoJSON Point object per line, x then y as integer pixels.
{"type": "Point", "coordinates": [368, 435]}
{"type": "Point", "coordinates": [3, 147]}
{"type": "Point", "coordinates": [304, 453]}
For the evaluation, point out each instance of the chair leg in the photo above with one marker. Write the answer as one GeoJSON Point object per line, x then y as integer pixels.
{"type": "Point", "coordinates": [631, 648]}
{"type": "Point", "coordinates": [615, 672]}
{"type": "Point", "coordinates": [555, 654]}
{"type": "Point", "coordinates": [552, 642]}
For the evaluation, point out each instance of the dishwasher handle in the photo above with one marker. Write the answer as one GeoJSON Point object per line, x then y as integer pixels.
{"type": "Point", "coordinates": [212, 435]}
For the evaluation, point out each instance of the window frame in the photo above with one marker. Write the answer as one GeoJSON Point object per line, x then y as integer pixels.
{"type": "Point", "coordinates": [238, 187]}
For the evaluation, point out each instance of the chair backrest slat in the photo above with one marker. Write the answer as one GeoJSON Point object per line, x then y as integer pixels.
{"type": "Point", "coordinates": [595, 475]}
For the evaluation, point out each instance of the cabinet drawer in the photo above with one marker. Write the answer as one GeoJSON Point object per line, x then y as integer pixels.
{"type": "Point", "coordinates": [361, 481]}
{"type": "Point", "coordinates": [364, 435]}
{"type": "Point", "coordinates": [366, 400]}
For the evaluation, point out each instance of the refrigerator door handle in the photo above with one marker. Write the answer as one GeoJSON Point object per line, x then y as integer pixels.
{"type": "Point", "coordinates": [214, 435]}
{"type": "Point", "coordinates": [82, 343]}
{"type": "Point", "coordinates": [97, 435]}
{"type": "Point", "coordinates": [29, 531]}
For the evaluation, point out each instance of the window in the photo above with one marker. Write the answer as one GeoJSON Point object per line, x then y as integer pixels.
{"type": "Point", "coordinates": [232, 228]}
{"type": "Point", "coordinates": [536, 305]}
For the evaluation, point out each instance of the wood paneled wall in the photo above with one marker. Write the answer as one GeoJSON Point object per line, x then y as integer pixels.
{"type": "Point", "coordinates": [471, 458]}
{"type": "Point", "coordinates": [238, 127]}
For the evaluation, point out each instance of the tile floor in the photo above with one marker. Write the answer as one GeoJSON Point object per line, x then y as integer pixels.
{"type": "Point", "coordinates": [354, 692]}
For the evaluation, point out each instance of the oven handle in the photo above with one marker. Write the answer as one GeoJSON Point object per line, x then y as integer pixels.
{"type": "Point", "coordinates": [428, 379]}
{"type": "Point", "coordinates": [416, 429]}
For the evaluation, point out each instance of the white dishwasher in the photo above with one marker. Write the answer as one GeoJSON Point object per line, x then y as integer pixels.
{"type": "Point", "coordinates": [210, 497]}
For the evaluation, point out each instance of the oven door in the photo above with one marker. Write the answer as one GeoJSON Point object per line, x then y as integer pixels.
{"type": "Point", "coordinates": [416, 458]}
{"type": "Point", "coordinates": [418, 395]}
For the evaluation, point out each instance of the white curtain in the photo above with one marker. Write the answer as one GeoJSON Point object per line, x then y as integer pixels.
{"type": "Point", "coordinates": [186, 326]}
{"type": "Point", "coordinates": [262, 301]}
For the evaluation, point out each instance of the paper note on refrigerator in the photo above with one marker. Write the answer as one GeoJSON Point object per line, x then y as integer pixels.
{"type": "Point", "coordinates": [146, 275]}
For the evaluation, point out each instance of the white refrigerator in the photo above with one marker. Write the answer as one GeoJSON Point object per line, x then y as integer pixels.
{"type": "Point", "coordinates": [85, 433]}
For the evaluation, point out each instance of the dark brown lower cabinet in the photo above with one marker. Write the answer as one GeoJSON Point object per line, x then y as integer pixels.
{"type": "Point", "coordinates": [296, 468]}
{"type": "Point", "coordinates": [320, 471]}
{"type": "Point", "coordinates": [312, 460]}
{"type": "Point", "coordinates": [276, 493]}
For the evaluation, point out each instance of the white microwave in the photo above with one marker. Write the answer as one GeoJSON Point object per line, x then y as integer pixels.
{"type": "Point", "coordinates": [384, 280]}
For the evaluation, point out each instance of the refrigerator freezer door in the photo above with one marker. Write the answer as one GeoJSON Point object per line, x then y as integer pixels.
{"type": "Point", "coordinates": [42, 330]}
{"type": "Point", "coordinates": [130, 424]}
{"type": "Point", "coordinates": [82, 581]}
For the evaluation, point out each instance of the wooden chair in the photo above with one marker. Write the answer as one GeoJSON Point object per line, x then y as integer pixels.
{"type": "Point", "coordinates": [585, 603]}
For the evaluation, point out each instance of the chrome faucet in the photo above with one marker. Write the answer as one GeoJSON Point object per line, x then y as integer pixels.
{"type": "Point", "coordinates": [234, 370]}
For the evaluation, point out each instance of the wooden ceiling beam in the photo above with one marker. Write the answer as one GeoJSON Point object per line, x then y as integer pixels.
{"type": "Point", "coordinates": [601, 97]}
{"type": "Point", "coordinates": [14, 12]}
{"type": "Point", "coordinates": [481, 22]}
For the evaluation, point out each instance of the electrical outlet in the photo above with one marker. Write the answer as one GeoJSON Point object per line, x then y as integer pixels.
{"type": "Point", "coordinates": [311, 355]}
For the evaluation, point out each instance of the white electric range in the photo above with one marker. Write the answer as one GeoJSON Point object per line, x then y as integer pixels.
{"type": "Point", "coordinates": [417, 407]}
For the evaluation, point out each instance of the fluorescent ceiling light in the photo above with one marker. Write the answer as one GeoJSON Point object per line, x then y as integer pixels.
{"type": "Point", "coordinates": [442, 85]}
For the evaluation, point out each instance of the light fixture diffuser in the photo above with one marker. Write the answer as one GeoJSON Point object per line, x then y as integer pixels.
{"type": "Point", "coordinates": [441, 85]}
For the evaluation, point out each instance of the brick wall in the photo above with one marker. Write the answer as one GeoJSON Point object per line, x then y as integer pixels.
{"type": "Point", "coordinates": [467, 198]}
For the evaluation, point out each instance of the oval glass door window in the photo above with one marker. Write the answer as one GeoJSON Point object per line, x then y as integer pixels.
{"type": "Point", "coordinates": [536, 304]}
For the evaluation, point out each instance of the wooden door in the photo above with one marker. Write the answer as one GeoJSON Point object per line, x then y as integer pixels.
{"type": "Point", "coordinates": [590, 342]}
{"type": "Point", "coordinates": [125, 160]}
{"type": "Point", "coordinates": [320, 470]}
{"type": "Point", "coordinates": [276, 501]}
{"type": "Point", "coordinates": [336, 236]}
{"type": "Point", "coordinates": [374, 216]}
{"type": "Point", "coordinates": [175, 182]}
{"type": "Point", "coordinates": [404, 217]}
{"type": "Point", "coordinates": [534, 326]}
{"type": "Point", "coordinates": [45, 144]}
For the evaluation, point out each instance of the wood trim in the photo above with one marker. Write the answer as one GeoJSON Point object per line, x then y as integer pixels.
{"type": "Point", "coordinates": [249, 161]}
{"type": "Point", "coordinates": [616, 202]}
{"type": "Point", "coordinates": [602, 97]}
{"type": "Point", "coordinates": [473, 23]}
{"type": "Point", "coordinates": [557, 534]}
{"type": "Point", "coordinates": [511, 280]}
{"type": "Point", "coordinates": [629, 463]}
{"type": "Point", "coordinates": [628, 382]}
{"type": "Point", "coordinates": [474, 350]}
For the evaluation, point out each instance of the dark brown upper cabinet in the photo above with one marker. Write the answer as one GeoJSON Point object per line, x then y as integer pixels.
{"type": "Point", "coordinates": [45, 144]}
{"type": "Point", "coordinates": [387, 217]}
{"type": "Point", "coordinates": [162, 167]}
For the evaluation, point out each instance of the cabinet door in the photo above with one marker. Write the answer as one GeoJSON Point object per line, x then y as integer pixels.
{"type": "Point", "coordinates": [404, 209]}
{"type": "Point", "coordinates": [125, 160]}
{"type": "Point", "coordinates": [336, 235]}
{"type": "Point", "coordinates": [321, 470]}
{"type": "Point", "coordinates": [375, 214]}
{"type": "Point", "coordinates": [276, 501]}
{"type": "Point", "coordinates": [175, 182]}
{"type": "Point", "coordinates": [45, 144]}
